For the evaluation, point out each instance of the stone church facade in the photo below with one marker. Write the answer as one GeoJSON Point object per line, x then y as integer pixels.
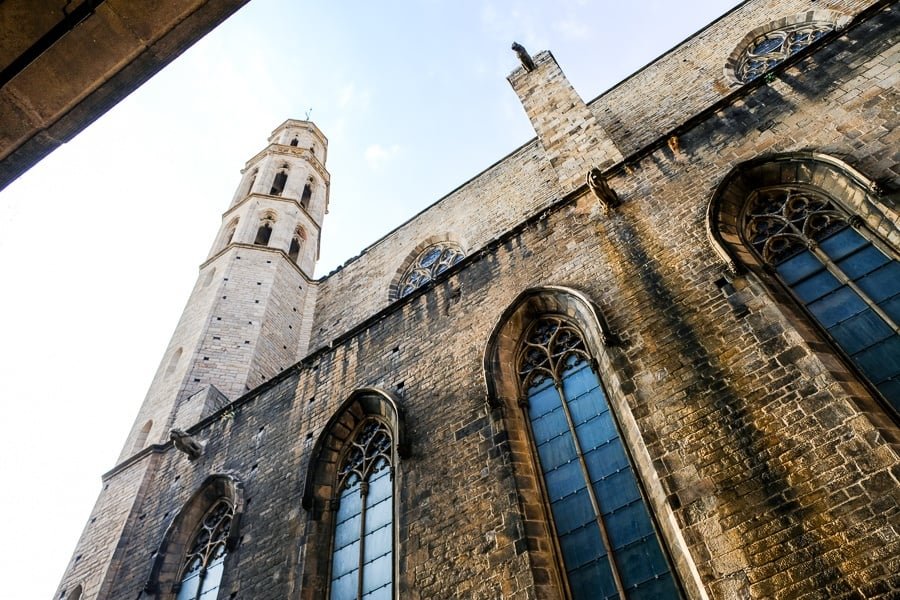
{"type": "Point", "coordinates": [652, 353]}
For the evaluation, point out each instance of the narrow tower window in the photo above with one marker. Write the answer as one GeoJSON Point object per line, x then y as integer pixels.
{"type": "Point", "coordinates": [264, 232]}
{"type": "Point", "coordinates": [141, 439]}
{"type": "Point", "coordinates": [279, 183]}
{"type": "Point", "coordinates": [843, 276]}
{"type": "Point", "coordinates": [307, 195]}
{"type": "Point", "coordinates": [362, 546]}
{"type": "Point", "coordinates": [297, 244]}
{"type": "Point", "coordinates": [201, 572]}
{"type": "Point", "coordinates": [605, 533]}
{"type": "Point", "coordinates": [173, 361]}
{"type": "Point", "coordinates": [295, 142]}
{"type": "Point", "coordinates": [294, 252]}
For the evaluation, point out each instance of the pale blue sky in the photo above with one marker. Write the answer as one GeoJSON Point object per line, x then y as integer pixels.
{"type": "Point", "coordinates": [100, 243]}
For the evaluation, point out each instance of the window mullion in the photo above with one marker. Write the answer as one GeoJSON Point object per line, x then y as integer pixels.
{"type": "Point", "coordinates": [595, 503]}
{"type": "Point", "coordinates": [200, 577]}
{"type": "Point", "coordinates": [363, 492]}
{"type": "Point", "coordinates": [840, 276]}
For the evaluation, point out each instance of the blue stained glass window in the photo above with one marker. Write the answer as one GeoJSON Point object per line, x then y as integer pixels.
{"type": "Point", "coordinates": [775, 46]}
{"type": "Point", "coordinates": [613, 553]}
{"type": "Point", "coordinates": [204, 565]}
{"type": "Point", "coordinates": [433, 261]}
{"type": "Point", "coordinates": [362, 564]}
{"type": "Point", "coordinates": [848, 283]}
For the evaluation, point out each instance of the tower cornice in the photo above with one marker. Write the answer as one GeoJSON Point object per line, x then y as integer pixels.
{"type": "Point", "coordinates": [216, 256]}
{"type": "Point", "coordinates": [294, 152]}
{"type": "Point", "coordinates": [292, 201]}
{"type": "Point", "coordinates": [303, 125]}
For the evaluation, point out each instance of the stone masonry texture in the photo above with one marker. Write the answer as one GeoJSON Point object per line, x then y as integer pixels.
{"type": "Point", "coordinates": [770, 467]}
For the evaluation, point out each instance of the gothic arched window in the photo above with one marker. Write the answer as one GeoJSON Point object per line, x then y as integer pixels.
{"type": "Point", "coordinates": [202, 568]}
{"type": "Point", "coordinates": [307, 195]}
{"type": "Point", "coordinates": [605, 534]}
{"type": "Point", "coordinates": [775, 46]}
{"type": "Point", "coordinates": [279, 183]}
{"type": "Point", "coordinates": [845, 277]}
{"type": "Point", "coordinates": [230, 230]}
{"type": "Point", "coordinates": [296, 244]}
{"type": "Point", "coordinates": [362, 544]}
{"type": "Point", "coordinates": [265, 230]}
{"type": "Point", "coordinates": [433, 261]}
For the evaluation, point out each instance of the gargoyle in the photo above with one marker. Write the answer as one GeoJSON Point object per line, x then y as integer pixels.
{"type": "Point", "coordinates": [605, 194]}
{"type": "Point", "coordinates": [523, 55]}
{"type": "Point", "coordinates": [186, 443]}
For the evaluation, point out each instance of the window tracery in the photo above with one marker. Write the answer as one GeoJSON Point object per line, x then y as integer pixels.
{"type": "Point", "coordinates": [433, 261]}
{"type": "Point", "coordinates": [845, 277]}
{"type": "Point", "coordinates": [604, 531]}
{"type": "Point", "coordinates": [203, 565]}
{"type": "Point", "coordinates": [362, 547]}
{"type": "Point", "coordinates": [776, 46]}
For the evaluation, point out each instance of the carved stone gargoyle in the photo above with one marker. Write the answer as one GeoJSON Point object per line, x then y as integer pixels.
{"type": "Point", "coordinates": [605, 194]}
{"type": "Point", "coordinates": [523, 55]}
{"type": "Point", "coordinates": [186, 443]}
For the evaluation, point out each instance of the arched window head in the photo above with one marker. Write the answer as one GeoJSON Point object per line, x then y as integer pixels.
{"type": "Point", "coordinates": [307, 195]}
{"type": "Point", "coordinates": [252, 181]}
{"type": "Point", "coordinates": [173, 361]}
{"type": "Point", "coordinates": [605, 535]}
{"type": "Point", "coordinates": [279, 183]}
{"type": "Point", "coordinates": [141, 438]}
{"type": "Point", "coordinates": [296, 244]}
{"type": "Point", "coordinates": [349, 487]}
{"type": "Point", "coordinates": [772, 48]}
{"type": "Point", "coordinates": [264, 233]}
{"type": "Point", "coordinates": [362, 545]}
{"type": "Point", "coordinates": [201, 571]}
{"type": "Point", "coordinates": [433, 261]}
{"type": "Point", "coordinates": [190, 561]}
{"type": "Point", "coordinates": [229, 233]}
{"type": "Point", "coordinates": [295, 142]}
{"type": "Point", "coordinates": [843, 276]}
{"type": "Point", "coordinates": [816, 232]}
{"type": "Point", "coordinates": [75, 594]}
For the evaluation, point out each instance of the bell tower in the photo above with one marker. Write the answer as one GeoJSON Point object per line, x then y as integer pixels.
{"type": "Point", "coordinates": [250, 312]}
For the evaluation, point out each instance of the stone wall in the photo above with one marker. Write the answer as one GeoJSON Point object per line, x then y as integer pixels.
{"type": "Point", "coordinates": [771, 471]}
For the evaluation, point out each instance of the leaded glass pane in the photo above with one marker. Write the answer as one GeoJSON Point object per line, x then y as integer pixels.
{"type": "Point", "coordinates": [616, 490]}
{"type": "Point", "coordinates": [595, 580]}
{"type": "Point", "coordinates": [574, 434]}
{"type": "Point", "coordinates": [189, 586]}
{"type": "Point", "coordinates": [860, 331]}
{"type": "Point", "coordinates": [799, 267]}
{"type": "Point", "coordinates": [433, 261]}
{"type": "Point", "coordinates": [363, 532]}
{"type": "Point", "coordinates": [848, 284]}
{"type": "Point", "coordinates": [345, 587]}
{"type": "Point", "coordinates": [774, 47]}
{"type": "Point", "coordinates": [581, 546]}
{"type": "Point", "coordinates": [573, 511]}
{"type": "Point", "coordinates": [836, 307]}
